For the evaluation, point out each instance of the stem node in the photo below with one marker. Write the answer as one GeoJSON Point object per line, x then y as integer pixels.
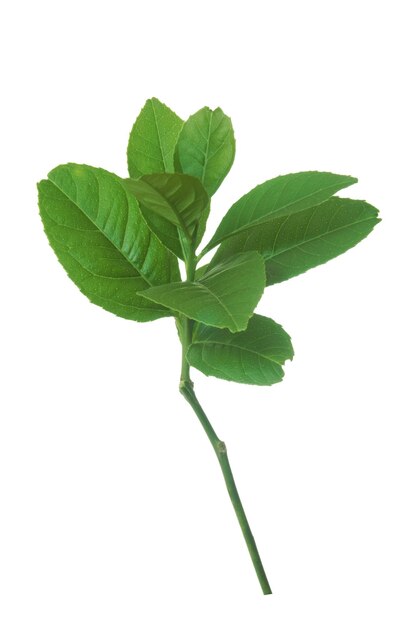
{"type": "Point", "coordinates": [221, 448]}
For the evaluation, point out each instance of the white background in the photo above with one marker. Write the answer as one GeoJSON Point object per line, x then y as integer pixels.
{"type": "Point", "coordinates": [113, 509]}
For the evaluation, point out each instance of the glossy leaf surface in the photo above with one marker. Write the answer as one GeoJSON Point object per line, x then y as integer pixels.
{"type": "Point", "coordinates": [152, 140]}
{"type": "Point", "coordinates": [100, 237]}
{"type": "Point", "coordinates": [225, 297]}
{"type": "Point", "coordinates": [296, 243]}
{"type": "Point", "coordinates": [166, 232]}
{"type": "Point", "coordinates": [278, 197]}
{"type": "Point", "coordinates": [178, 198]}
{"type": "Point", "coordinates": [254, 356]}
{"type": "Point", "coordinates": [206, 147]}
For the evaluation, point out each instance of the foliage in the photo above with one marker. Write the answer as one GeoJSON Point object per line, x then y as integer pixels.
{"type": "Point", "coordinates": [120, 240]}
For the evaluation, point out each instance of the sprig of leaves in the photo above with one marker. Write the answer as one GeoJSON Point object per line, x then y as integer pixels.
{"type": "Point", "coordinates": [120, 240]}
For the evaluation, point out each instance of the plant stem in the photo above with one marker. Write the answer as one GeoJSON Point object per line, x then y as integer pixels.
{"type": "Point", "coordinates": [186, 388]}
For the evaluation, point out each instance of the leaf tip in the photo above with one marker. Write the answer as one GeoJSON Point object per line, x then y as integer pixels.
{"type": "Point", "coordinates": [154, 100]}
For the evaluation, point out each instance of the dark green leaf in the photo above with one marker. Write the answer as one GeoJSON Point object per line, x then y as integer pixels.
{"type": "Point", "coordinates": [206, 147]}
{"type": "Point", "coordinates": [226, 297]}
{"type": "Point", "coordinates": [280, 196]}
{"type": "Point", "coordinates": [293, 244]}
{"type": "Point", "coordinates": [202, 223]}
{"type": "Point", "coordinates": [200, 271]}
{"type": "Point", "coordinates": [99, 235]}
{"type": "Point", "coordinates": [166, 232]}
{"type": "Point", "coordinates": [254, 356]}
{"type": "Point", "coordinates": [152, 140]}
{"type": "Point", "coordinates": [178, 198]}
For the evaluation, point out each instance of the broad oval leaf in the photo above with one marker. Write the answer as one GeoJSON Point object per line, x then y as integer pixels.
{"type": "Point", "coordinates": [225, 297]}
{"type": "Point", "coordinates": [206, 147]}
{"type": "Point", "coordinates": [152, 140]}
{"type": "Point", "coordinates": [296, 243]}
{"type": "Point", "coordinates": [280, 196]}
{"type": "Point", "coordinates": [99, 235]}
{"type": "Point", "coordinates": [254, 356]}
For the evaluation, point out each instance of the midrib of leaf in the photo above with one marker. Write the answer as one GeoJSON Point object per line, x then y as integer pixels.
{"type": "Point", "coordinates": [217, 149]}
{"type": "Point", "coordinates": [98, 227]}
{"type": "Point", "coordinates": [87, 269]}
{"type": "Point", "coordinates": [159, 136]}
{"type": "Point", "coordinates": [207, 147]}
{"type": "Point", "coordinates": [286, 206]}
{"type": "Point", "coordinates": [216, 369]}
{"type": "Point", "coordinates": [238, 348]}
{"type": "Point", "coordinates": [256, 204]}
{"type": "Point", "coordinates": [220, 302]}
{"type": "Point", "coordinates": [146, 154]}
{"type": "Point", "coordinates": [130, 306]}
{"type": "Point", "coordinates": [217, 272]}
{"type": "Point", "coordinates": [103, 298]}
{"type": "Point", "coordinates": [222, 372]}
{"type": "Point", "coordinates": [264, 218]}
{"type": "Point", "coordinates": [269, 256]}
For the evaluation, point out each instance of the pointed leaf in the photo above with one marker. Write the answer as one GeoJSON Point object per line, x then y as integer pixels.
{"type": "Point", "coordinates": [295, 243]}
{"type": "Point", "coordinates": [206, 147]}
{"type": "Point", "coordinates": [152, 140]}
{"type": "Point", "coordinates": [99, 235]}
{"type": "Point", "coordinates": [254, 356]}
{"type": "Point", "coordinates": [226, 297]}
{"type": "Point", "coordinates": [280, 196]}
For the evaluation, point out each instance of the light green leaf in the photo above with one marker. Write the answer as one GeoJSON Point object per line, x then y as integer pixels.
{"type": "Point", "coordinates": [280, 196]}
{"type": "Point", "coordinates": [254, 356]}
{"type": "Point", "coordinates": [206, 147]}
{"type": "Point", "coordinates": [99, 235]}
{"type": "Point", "coordinates": [226, 297]}
{"type": "Point", "coordinates": [293, 244]}
{"type": "Point", "coordinates": [152, 140]}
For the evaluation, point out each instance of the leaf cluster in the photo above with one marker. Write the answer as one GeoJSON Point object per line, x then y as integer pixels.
{"type": "Point", "coordinates": [121, 240]}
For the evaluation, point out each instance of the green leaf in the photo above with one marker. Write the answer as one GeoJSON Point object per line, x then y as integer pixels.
{"type": "Point", "coordinates": [206, 147]}
{"type": "Point", "coordinates": [280, 196]}
{"type": "Point", "coordinates": [200, 271]}
{"type": "Point", "coordinates": [226, 297]}
{"type": "Point", "coordinates": [166, 232]}
{"type": "Point", "coordinates": [294, 244]}
{"type": "Point", "coordinates": [152, 140]}
{"type": "Point", "coordinates": [202, 223]}
{"type": "Point", "coordinates": [254, 356]}
{"type": "Point", "coordinates": [178, 198]}
{"type": "Point", "coordinates": [99, 235]}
